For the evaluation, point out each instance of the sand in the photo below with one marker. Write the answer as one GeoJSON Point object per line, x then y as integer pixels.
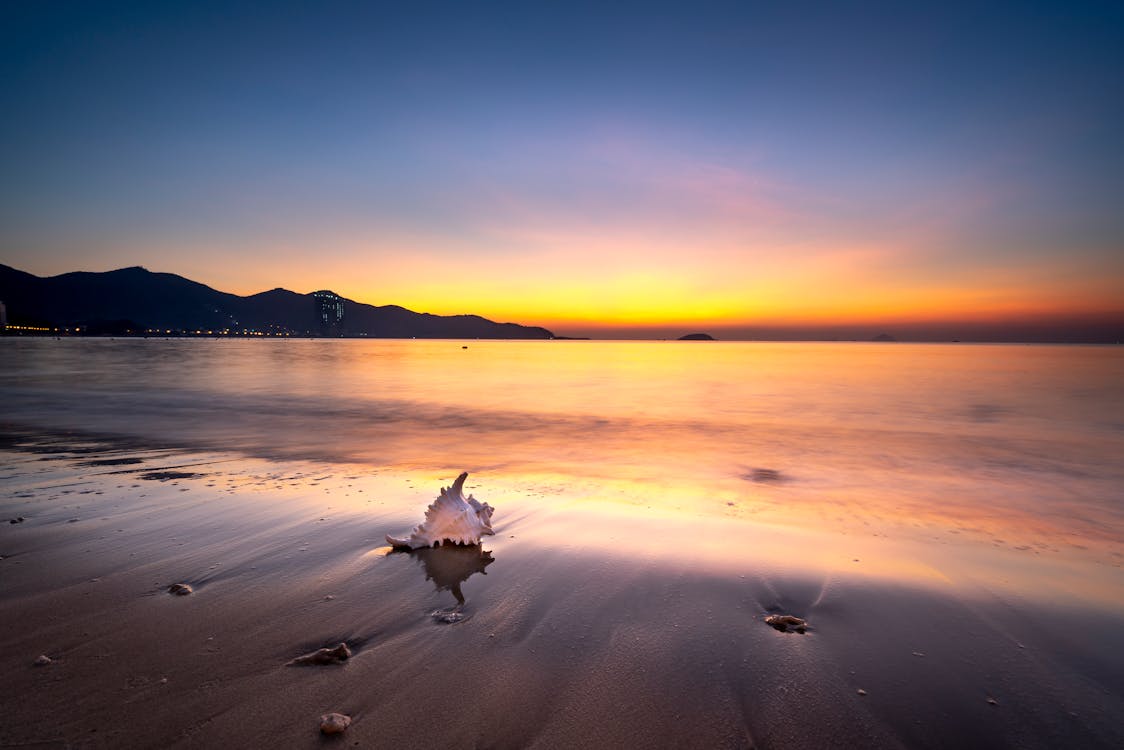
{"type": "Point", "coordinates": [583, 624]}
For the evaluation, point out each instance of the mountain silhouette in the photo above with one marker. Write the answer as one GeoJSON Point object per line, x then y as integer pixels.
{"type": "Point", "coordinates": [165, 301]}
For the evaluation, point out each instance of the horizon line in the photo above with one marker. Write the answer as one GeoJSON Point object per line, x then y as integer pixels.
{"type": "Point", "coordinates": [1101, 326]}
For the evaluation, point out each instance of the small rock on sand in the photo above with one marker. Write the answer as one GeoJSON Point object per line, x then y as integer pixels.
{"type": "Point", "coordinates": [784, 622]}
{"type": "Point", "coordinates": [334, 723]}
{"type": "Point", "coordinates": [180, 589]}
{"type": "Point", "coordinates": [340, 653]}
{"type": "Point", "coordinates": [860, 691]}
{"type": "Point", "coordinates": [42, 660]}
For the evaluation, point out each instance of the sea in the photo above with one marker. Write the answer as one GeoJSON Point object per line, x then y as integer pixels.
{"type": "Point", "coordinates": [1015, 447]}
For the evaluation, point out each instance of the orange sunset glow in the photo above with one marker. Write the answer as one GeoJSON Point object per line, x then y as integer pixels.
{"type": "Point", "coordinates": [601, 221]}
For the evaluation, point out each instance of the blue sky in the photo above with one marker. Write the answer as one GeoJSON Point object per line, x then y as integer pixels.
{"type": "Point", "coordinates": [573, 164]}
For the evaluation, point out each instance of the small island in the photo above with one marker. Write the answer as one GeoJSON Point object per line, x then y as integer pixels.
{"type": "Point", "coordinates": [697, 337]}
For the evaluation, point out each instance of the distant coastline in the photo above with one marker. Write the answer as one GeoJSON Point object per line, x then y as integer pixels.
{"type": "Point", "coordinates": [140, 303]}
{"type": "Point", "coordinates": [137, 302]}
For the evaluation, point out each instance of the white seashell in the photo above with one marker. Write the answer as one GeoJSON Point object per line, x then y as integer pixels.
{"type": "Point", "coordinates": [450, 518]}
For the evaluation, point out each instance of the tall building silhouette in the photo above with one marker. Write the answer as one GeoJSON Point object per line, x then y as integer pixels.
{"type": "Point", "coordinates": [329, 312]}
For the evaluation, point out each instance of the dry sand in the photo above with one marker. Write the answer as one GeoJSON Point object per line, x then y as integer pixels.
{"type": "Point", "coordinates": [584, 625]}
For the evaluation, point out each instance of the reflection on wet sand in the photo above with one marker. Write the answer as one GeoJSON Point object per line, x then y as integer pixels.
{"type": "Point", "coordinates": [450, 565]}
{"type": "Point", "coordinates": [646, 613]}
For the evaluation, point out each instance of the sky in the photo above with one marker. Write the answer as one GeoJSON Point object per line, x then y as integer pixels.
{"type": "Point", "coordinates": [604, 169]}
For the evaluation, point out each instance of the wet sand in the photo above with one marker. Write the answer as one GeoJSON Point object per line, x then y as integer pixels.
{"type": "Point", "coordinates": [585, 624]}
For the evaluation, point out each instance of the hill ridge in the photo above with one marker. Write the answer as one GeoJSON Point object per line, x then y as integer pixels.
{"type": "Point", "coordinates": [137, 299]}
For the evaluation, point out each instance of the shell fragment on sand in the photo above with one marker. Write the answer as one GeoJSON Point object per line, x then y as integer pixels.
{"type": "Point", "coordinates": [337, 655]}
{"type": "Point", "coordinates": [42, 660]}
{"type": "Point", "coordinates": [334, 723]}
{"type": "Point", "coordinates": [451, 518]}
{"type": "Point", "coordinates": [448, 616]}
{"type": "Point", "coordinates": [784, 622]}
{"type": "Point", "coordinates": [180, 589]}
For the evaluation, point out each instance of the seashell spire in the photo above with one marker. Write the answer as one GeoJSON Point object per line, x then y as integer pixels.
{"type": "Point", "coordinates": [451, 518]}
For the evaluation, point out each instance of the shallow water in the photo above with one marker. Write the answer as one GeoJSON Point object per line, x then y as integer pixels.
{"type": "Point", "coordinates": [959, 450]}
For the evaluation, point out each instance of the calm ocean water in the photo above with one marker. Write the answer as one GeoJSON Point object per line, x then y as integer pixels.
{"type": "Point", "coordinates": [1019, 443]}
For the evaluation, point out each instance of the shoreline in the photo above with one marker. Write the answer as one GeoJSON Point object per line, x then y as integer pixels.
{"type": "Point", "coordinates": [566, 640]}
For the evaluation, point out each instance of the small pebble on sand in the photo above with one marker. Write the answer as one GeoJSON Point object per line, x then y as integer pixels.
{"type": "Point", "coordinates": [42, 660]}
{"type": "Point", "coordinates": [180, 589]}
{"type": "Point", "coordinates": [993, 702]}
{"type": "Point", "coordinates": [334, 723]}
{"type": "Point", "coordinates": [861, 691]}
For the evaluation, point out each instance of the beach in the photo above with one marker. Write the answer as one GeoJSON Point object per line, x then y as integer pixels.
{"type": "Point", "coordinates": [565, 642]}
{"type": "Point", "coordinates": [612, 607]}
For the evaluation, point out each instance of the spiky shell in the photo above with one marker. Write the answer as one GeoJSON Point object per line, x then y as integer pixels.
{"type": "Point", "coordinates": [451, 518]}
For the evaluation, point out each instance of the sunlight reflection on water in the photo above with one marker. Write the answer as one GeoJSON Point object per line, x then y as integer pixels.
{"type": "Point", "coordinates": [1018, 445]}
